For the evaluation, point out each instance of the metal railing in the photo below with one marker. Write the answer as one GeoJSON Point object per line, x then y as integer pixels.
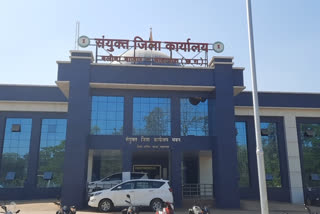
{"type": "Point", "coordinates": [197, 191]}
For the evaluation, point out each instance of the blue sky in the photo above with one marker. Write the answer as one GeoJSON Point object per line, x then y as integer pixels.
{"type": "Point", "coordinates": [34, 34]}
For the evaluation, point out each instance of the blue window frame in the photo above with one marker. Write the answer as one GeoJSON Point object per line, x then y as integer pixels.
{"type": "Point", "coordinates": [151, 116]}
{"type": "Point", "coordinates": [15, 154]}
{"type": "Point", "coordinates": [194, 118]}
{"type": "Point", "coordinates": [107, 115]}
{"type": "Point", "coordinates": [51, 155]}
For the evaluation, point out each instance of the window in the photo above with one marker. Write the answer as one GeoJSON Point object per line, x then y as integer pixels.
{"type": "Point", "coordinates": [151, 116]}
{"type": "Point", "coordinates": [194, 118]}
{"type": "Point", "coordinates": [136, 175]}
{"type": "Point", "coordinates": [128, 185]}
{"type": "Point", "coordinates": [156, 184]}
{"type": "Point", "coordinates": [142, 185]}
{"type": "Point", "coordinates": [51, 155]}
{"type": "Point", "coordinates": [271, 154]}
{"type": "Point", "coordinates": [106, 163]}
{"type": "Point", "coordinates": [242, 146]}
{"type": "Point", "coordinates": [115, 177]}
{"type": "Point", "coordinates": [107, 115]}
{"type": "Point", "coordinates": [15, 155]}
{"type": "Point", "coordinates": [310, 144]}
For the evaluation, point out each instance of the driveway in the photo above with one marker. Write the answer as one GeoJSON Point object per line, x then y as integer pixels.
{"type": "Point", "coordinates": [249, 207]}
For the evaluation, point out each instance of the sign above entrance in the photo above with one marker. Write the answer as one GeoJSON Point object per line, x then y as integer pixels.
{"type": "Point", "coordinates": [152, 140]}
{"type": "Point", "coordinates": [110, 45]}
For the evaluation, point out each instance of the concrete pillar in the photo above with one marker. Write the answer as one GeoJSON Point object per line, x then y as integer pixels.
{"type": "Point", "coordinates": [90, 165]}
{"type": "Point", "coordinates": [2, 130]}
{"type": "Point", "coordinates": [78, 129]}
{"type": "Point", "coordinates": [205, 169]}
{"type": "Point", "coordinates": [225, 149]}
{"type": "Point", "coordinates": [33, 162]}
{"type": "Point", "coordinates": [295, 179]}
{"type": "Point", "coordinates": [176, 179]}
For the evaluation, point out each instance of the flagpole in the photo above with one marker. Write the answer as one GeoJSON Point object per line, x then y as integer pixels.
{"type": "Point", "coordinates": [259, 151]}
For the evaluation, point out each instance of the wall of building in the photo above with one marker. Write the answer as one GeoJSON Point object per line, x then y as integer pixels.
{"type": "Point", "coordinates": [289, 116]}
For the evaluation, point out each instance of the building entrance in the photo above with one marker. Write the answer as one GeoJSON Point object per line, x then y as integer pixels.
{"type": "Point", "coordinates": [154, 163]}
{"type": "Point", "coordinates": [153, 171]}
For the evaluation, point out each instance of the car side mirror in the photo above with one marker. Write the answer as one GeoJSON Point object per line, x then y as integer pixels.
{"type": "Point", "coordinates": [128, 196]}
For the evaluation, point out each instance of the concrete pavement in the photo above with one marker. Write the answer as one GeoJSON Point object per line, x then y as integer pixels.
{"type": "Point", "coordinates": [250, 207]}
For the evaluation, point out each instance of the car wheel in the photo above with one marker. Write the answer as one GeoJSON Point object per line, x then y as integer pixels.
{"type": "Point", "coordinates": [156, 204]}
{"type": "Point", "coordinates": [105, 205]}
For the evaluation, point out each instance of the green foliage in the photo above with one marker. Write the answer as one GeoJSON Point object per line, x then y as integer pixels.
{"type": "Point", "coordinates": [311, 153]}
{"type": "Point", "coordinates": [271, 155]}
{"type": "Point", "coordinates": [243, 165]}
{"type": "Point", "coordinates": [95, 130]}
{"type": "Point", "coordinates": [156, 123]}
{"type": "Point", "coordinates": [51, 160]}
{"type": "Point", "coordinates": [13, 162]}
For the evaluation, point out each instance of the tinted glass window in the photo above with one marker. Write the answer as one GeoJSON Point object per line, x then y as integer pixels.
{"type": "Point", "coordinates": [142, 185]}
{"type": "Point", "coordinates": [151, 116]}
{"type": "Point", "coordinates": [242, 154]}
{"type": "Point", "coordinates": [310, 140]}
{"type": "Point", "coordinates": [156, 184]}
{"type": "Point", "coordinates": [15, 154]}
{"type": "Point", "coordinates": [194, 118]}
{"type": "Point", "coordinates": [271, 154]}
{"type": "Point", "coordinates": [136, 175]}
{"type": "Point", "coordinates": [51, 155]}
{"type": "Point", "coordinates": [115, 177]}
{"type": "Point", "coordinates": [128, 185]}
{"type": "Point", "coordinates": [107, 115]}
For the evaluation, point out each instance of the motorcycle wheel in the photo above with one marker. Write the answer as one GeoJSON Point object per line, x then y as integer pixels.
{"type": "Point", "coordinates": [156, 204]}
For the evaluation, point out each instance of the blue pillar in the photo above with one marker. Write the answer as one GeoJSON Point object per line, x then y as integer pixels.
{"type": "Point", "coordinates": [126, 159]}
{"type": "Point", "coordinates": [225, 154]}
{"type": "Point", "coordinates": [78, 130]}
{"type": "Point", "coordinates": [176, 179]}
{"type": "Point", "coordinates": [2, 129]}
{"type": "Point", "coordinates": [175, 117]}
{"type": "Point", "coordinates": [31, 182]}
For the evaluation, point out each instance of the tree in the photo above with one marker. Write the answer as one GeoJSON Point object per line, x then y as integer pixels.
{"type": "Point", "coordinates": [95, 130]}
{"type": "Point", "coordinates": [271, 155]}
{"type": "Point", "coordinates": [310, 137]}
{"type": "Point", "coordinates": [51, 159]}
{"type": "Point", "coordinates": [13, 162]}
{"type": "Point", "coordinates": [192, 117]}
{"type": "Point", "coordinates": [156, 123]}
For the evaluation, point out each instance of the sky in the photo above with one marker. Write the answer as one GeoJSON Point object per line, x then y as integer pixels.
{"type": "Point", "coordinates": [35, 34]}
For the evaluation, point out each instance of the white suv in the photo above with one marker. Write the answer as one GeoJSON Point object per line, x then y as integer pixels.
{"type": "Point", "coordinates": [143, 192]}
{"type": "Point", "coordinates": [113, 180]}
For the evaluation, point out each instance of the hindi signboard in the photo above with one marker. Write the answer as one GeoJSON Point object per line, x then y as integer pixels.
{"type": "Point", "coordinates": [110, 45]}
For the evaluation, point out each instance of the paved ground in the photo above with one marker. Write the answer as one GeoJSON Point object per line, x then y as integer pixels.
{"type": "Point", "coordinates": [250, 207]}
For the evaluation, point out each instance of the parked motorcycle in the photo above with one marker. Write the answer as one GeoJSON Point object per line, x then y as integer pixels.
{"type": "Point", "coordinates": [131, 209]}
{"type": "Point", "coordinates": [65, 209]}
{"type": "Point", "coordinates": [167, 208]}
{"type": "Point", "coordinates": [306, 207]}
{"type": "Point", "coordinates": [199, 210]}
{"type": "Point", "coordinates": [10, 210]}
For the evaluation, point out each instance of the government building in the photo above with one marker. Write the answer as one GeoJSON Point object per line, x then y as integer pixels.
{"type": "Point", "coordinates": [191, 125]}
